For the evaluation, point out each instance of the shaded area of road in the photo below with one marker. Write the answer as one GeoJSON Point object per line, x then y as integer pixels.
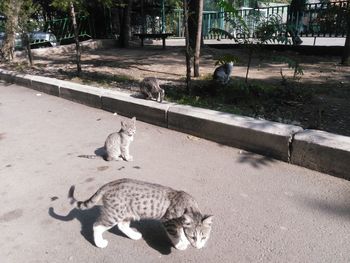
{"type": "Point", "coordinates": [265, 210]}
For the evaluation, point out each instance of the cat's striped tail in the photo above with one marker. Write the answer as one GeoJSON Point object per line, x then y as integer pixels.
{"type": "Point", "coordinates": [87, 203]}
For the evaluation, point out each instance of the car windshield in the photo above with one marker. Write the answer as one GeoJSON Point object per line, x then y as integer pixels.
{"type": "Point", "coordinates": [39, 35]}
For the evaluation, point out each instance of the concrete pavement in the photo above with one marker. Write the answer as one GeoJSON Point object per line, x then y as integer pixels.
{"type": "Point", "coordinates": [265, 210]}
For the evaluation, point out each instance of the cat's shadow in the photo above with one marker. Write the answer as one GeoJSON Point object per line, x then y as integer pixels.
{"type": "Point", "coordinates": [137, 96]}
{"type": "Point", "coordinates": [152, 231]}
{"type": "Point", "coordinates": [154, 234]}
{"type": "Point", "coordinates": [101, 151]}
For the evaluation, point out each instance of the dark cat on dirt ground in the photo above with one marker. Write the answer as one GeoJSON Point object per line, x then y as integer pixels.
{"type": "Point", "coordinates": [125, 200]}
{"type": "Point", "coordinates": [150, 88]}
{"type": "Point", "coordinates": [222, 73]}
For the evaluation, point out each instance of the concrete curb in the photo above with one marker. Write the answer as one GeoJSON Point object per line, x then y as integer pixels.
{"type": "Point", "coordinates": [43, 84]}
{"type": "Point", "coordinates": [87, 95]}
{"type": "Point", "coordinates": [322, 151]}
{"type": "Point", "coordinates": [316, 150]}
{"type": "Point", "coordinates": [148, 111]}
{"type": "Point", "coordinates": [260, 136]}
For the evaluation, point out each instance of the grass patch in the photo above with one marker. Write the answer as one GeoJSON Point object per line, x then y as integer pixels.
{"type": "Point", "coordinates": [106, 80]}
{"type": "Point", "coordinates": [255, 99]}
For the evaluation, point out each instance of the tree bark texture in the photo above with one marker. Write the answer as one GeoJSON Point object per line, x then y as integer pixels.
{"type": "Point", "coordinates": [26, 42]}
{"type": "Point", "coordinates": [125, 27]}
{"type": "Point", "coordinates": [346, 53]}
{"type": "Point", "coordinates": [198, 38]}
{"type": "Point", "coordinates": [250, 54]}
{"type": "Point", "coordinates": [188, 48]}
{"type": "Point", "coordinates": [11, 11]}
{"type": "Point", "coordinates": [76, 38]}
{"type": "Point", "coordinates": [192, 22]}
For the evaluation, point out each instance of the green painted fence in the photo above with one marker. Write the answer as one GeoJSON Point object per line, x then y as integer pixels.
{"type": "Point", "coordinates": [317, 20]}
{"type": "Point", "coordinates": [64, 31]}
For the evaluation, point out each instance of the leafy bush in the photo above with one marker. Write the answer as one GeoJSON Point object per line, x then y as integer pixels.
{"type": "Point", "coordinates": [267, 29]}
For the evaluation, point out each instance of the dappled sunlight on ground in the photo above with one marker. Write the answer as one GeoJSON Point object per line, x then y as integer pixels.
{"type": "Point", "coordinates": [123, 69]}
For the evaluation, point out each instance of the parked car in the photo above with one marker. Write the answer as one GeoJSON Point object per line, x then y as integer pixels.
{"type": "Point", "coordinates": [37, 40]}
{"type": "Point", "coordinates": [43, 39]}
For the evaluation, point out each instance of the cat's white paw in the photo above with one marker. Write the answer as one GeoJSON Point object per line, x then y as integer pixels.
{"type": "Point", "coordinates": [135, 235]}
{"type": "Point", "coordinates": [101, 243]}
{"type": "Point", "coordinates": [181, 245]}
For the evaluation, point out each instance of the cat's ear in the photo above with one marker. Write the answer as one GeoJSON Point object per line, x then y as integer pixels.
{"type": "Point", "coordinates": [133, 119]}
{"type": "Point", "coordinates": [186, 221]}
{"type": "Point", "coordinates": [123, 124]}
{"type": "Point", "coordinates": [207, 220]}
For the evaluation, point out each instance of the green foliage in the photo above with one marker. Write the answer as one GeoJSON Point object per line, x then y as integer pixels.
{"type": "Point", "coordinates": [237, 21]}
{"type": "Point", "coordinates": [271, 29]}
{"type": "Point", "coordinates": [79, 5]}
{"type": "Point", "coordinates": [227, 58]}
{"type": "Point", "coordinates": [292, 64]}
{"type": "Point", "coordinates": [254, 99]}
{"type": "Point", "coordinates": [267, 29]}
{"type": "Point", "coordinates": [25, 22]}
{"type": "Point", "coordinates": [65, 4]}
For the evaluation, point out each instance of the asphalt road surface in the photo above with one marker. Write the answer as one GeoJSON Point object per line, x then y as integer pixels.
{"type": "Point", "coordinates": [265, 210]}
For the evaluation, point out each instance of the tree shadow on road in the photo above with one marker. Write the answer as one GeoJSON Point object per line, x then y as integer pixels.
{"type": "Point", "coordinates": [255, 160]}
{"type": "Point", "coordinates": [340, 208]}
{"type": "Point", "coordinates": [152, 231]}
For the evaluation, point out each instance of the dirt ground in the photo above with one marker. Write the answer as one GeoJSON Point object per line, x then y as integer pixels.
{"type": "Point", "coordinates": [327, 82]}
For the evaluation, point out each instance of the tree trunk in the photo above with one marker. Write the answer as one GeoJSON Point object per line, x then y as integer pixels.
{"type": "Point", "coordinates": [125, 27]}
{"type": "Point", "coordinates": [76, 38]}
{"type": "Point", "coordinates": [11, 11]}
{"type": "Point", "coordinates": [198, 38]}
{"type": "Point", "coordinates": [250, 54]}
{"type": "Point", "coordinates": [192, 22]}
{"type": "Point", "coordinates": [188, 51]}
{"type": "Point", "coordinates": [346, 53]}
{"type": "Point", "coordinates": [345, 60]}
{"type": "Point", "coordinates": [26, 42]}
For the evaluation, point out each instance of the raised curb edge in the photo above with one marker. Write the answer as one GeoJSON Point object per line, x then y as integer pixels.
{"type": "Point", "coordinates": [288, 143]}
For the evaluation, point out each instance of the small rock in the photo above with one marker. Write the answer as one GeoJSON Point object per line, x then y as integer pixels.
{"type": "Point", "coordinates": [102, 168]}
{"type": "Point", "coordinates": [193, 138]}
{"type": "Point", "coordinates": [54, 198]}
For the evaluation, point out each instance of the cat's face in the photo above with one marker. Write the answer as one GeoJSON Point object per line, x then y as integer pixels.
{"type": "Point", "coordinates": [129, 127]}
{"type": "Point", "coordinates": [197, 229]}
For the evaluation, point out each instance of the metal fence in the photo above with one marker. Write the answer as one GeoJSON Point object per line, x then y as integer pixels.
{"type": "Point", "coordinates": [316, 20]}
{"type": "Point", "coordinates": [64, 31]}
